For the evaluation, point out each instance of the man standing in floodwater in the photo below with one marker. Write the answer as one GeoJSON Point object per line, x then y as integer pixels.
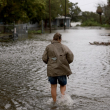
{"type": "Point", "coordinates": [57, 57]}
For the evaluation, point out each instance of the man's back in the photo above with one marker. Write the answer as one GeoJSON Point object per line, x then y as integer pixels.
{"type": "Point", "coordinates": [58, 57]}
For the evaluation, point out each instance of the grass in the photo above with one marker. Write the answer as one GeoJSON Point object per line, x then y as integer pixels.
{"type": "Point", "coordinates": [105, 25]}
{"type": "Point", "coordinates": [90, 23]}
{"type": "Point", "coordinates": [94, 23]}
{"type": "Point", "coordinates": [34, 32]}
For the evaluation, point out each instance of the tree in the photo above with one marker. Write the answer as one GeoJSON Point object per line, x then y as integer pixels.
{"type": "Point", "coordinates": [34, 10]}
{"type": "Point", "coordinates": [108, 2]}
{"type": "Point", "coordinates": [23, 10]}
{"type": "Point", "coordinates": [90, 16]}
{"type": "Point", "coordinates": [106, 12]}
{"type": "Point", "coordinates": [99, 11]}
{"type": "Point", "coordinates": [74, 11]}
{"type": "Point", "coordinates": [57, 8]}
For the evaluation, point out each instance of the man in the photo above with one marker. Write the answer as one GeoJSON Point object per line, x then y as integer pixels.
{"type": "Point", "coordinates": [57, 57]}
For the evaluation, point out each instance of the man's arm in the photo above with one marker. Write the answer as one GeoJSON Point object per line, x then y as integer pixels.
{"type": "Point", "coordinates": [69, 56]}
{"type": "Point", "coordinates": [45, 56]}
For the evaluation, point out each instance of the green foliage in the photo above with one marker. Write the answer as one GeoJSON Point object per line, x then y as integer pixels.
{"type": "Point", "coordinates": [107, 14]}
{"type": "Point", "coordinates": [92, 19]}
{"type": "Point", "coordinates": [93, 23]}
{"type": "Point", "coordinates": [105, 25]}
{"type": "Point", "coordinates": [57, 7]}
{"type": "Point", "coordinates": [23, 10]}
{"type": "Point", "coordinates": [74, 11]}
{"type": "Point", "coordinates": [90, 16]}
{"type": "Point", "coordinates": [39, 31]}
{"type": "Point", "coordinates": [34, 31]}
{"type": "Point", "coordinates": [35, 10]}
{"type": "Point", "coordinates": [90, 23]}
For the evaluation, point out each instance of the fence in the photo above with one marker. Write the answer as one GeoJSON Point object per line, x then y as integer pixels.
{"type": "Point", "coordinates": [20, 28]}
{"type": "Point", "coordinates": [17, 30]}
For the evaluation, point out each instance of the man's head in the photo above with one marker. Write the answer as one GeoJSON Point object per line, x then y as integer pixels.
{"type": "Point", "coordinates": [57, 37]}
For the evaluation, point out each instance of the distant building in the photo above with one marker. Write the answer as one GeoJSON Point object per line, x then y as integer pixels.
{"type": "Point", "coordinates": [60, 21]}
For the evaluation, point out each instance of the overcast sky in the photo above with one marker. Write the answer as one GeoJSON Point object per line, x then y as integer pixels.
{"type": "Point", "coordinates": [88, 5]}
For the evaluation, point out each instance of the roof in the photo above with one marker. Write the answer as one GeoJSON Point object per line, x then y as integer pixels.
{"type": "Point", "coordinates": [62, 17]}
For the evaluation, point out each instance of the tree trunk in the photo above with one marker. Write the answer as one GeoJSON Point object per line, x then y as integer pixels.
{"type": "Point", "coordinates": [100, 19]}
{"type": "Point", "coordinates": [45, 24]}
{"type": "Point", "coordinates": [4, 30]}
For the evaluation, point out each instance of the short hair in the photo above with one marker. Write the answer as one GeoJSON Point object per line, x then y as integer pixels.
{"type": "Point", "coordinates": [57, 36]}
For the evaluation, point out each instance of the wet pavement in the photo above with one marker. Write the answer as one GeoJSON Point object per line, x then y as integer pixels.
{"type": "Point", "coordinates": [24, 84]}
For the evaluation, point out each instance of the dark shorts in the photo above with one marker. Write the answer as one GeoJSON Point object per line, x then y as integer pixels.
{"type": "Point", "coordinates": [62, 80]}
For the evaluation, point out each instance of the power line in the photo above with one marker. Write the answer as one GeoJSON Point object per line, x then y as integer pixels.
{"type": "Point", "coordinates": [88, 3]}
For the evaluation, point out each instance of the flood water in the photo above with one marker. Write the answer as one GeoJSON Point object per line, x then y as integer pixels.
{"type": "Point", "coordinates": [24, 84]}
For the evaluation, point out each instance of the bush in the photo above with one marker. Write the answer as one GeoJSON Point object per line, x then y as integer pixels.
{"type": "Point", "coordinates": [90, 23]}
{"type": "Point", "coordinates": [34, 32]}
{"type": "Point", "coordinates": [105, 25]}
{"type": "Point", "coordinates": [39, 31]}
{"type": "Point", "coordinates": [94, 23]}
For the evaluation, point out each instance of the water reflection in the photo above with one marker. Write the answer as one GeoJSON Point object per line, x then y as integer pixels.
{"type": "Point", "coordinates": [24, 84]}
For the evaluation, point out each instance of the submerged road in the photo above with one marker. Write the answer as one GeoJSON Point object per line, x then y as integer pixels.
{"type": "Point", "coordinates": [23, 80]}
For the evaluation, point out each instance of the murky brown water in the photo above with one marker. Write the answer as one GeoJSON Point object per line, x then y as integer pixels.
{"type": "Point", "coordinates": [23, 80]}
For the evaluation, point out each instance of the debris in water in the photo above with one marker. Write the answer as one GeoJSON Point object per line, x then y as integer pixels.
{"type": "Point", "coordinates": [7, 106]}
{"type": "Point", "coordinates": [100, 43]}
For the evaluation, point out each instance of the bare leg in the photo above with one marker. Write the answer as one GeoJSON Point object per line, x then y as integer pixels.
{"type": "Point", "coordinates": [63, 89]}
{"type": "Point", "coordinates": [53, 91]}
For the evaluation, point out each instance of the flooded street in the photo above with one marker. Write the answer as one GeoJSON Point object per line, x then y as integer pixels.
{"type": "Point", "coordinates": [24, 84]}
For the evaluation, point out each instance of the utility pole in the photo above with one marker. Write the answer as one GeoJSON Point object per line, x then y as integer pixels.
{"type": "Point", "coordinates": [49, 16]}
{"type": "Point", "coordinates": [65, 17]}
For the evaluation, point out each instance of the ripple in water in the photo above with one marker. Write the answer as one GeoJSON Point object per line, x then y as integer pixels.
{"type": "Point", "coordinates": [64, 100]}
{"type": "Point", "coordinates": [23, 80]}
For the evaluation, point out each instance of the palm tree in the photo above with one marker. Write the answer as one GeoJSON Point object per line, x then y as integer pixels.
{"type": "Point", "coordinates": [99, 11]}
{"type": "Point", "coordinates": [108, 2]}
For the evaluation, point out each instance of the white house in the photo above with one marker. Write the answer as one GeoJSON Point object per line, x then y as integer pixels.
{"type": "Point", "coordinates": [60, 21]}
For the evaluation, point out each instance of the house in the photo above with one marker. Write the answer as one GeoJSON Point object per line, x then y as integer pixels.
{"type": "Point", "coordinates": [60, 21]}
